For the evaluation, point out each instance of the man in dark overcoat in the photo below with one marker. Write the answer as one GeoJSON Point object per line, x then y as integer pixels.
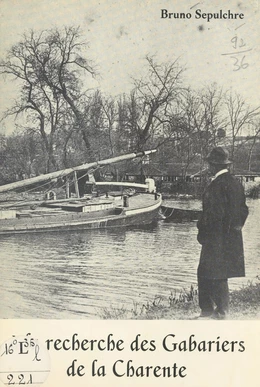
{"type": "Point", "coordinates": [220, 234]}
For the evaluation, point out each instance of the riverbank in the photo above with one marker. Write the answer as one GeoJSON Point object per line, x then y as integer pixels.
{"type": "Point", "coordinates": [244, 305]}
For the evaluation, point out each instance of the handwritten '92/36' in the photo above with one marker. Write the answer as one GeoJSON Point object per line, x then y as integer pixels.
{"type": "Point", "coordinates": [239, 63]}
{"type": "Point", "coordinates": [239, 60]}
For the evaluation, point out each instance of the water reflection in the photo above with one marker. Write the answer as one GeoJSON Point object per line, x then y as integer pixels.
{"type": "Point", "coordinates": [75, 275]}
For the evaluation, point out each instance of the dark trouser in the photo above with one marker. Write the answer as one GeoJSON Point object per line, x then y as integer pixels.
{"type": "Point", "coordinates": [212, 291]}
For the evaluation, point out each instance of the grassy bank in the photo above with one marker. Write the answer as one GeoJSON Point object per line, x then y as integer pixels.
{"type": "Point", "coordinates": [244, 305]}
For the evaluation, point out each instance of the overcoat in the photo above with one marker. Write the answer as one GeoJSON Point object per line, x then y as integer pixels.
{"type": "Point", "coordinates": [220, 229]}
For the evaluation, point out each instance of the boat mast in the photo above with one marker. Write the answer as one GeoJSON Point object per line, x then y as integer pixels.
{"type": "Point", "coordinates": [84, 167]}
{"type": "Point", "coordinates": [76, 184]}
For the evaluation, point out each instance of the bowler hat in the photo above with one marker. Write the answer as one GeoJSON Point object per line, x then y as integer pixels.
{"type": "Point", "coordinates": [218, 155]}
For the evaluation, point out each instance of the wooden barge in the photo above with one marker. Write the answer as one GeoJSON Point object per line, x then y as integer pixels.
{"type": "Point", "coordinates": [86, 213]}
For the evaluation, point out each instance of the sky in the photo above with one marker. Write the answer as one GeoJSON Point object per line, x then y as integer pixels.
{"type": "Point", "coordinates": [121, 33]}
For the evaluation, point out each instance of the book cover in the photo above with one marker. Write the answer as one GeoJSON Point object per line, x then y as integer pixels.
{"type": "Point", "coordinates": [84, 81]}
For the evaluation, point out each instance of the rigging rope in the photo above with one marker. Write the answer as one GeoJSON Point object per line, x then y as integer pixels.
{"type": "Point", "coordinates": [50, 184]}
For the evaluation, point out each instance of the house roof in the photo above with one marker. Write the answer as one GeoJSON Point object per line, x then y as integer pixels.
{"type": "Point", "coordinates": [245, 173]}
{"type": "Point", "coordinates": [172, 169]}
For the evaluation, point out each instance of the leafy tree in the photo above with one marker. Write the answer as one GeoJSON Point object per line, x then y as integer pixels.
{"type": "Point", "coordinates": [20, 156]}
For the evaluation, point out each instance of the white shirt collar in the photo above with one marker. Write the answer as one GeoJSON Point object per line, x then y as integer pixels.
{"type": "Point", "coordinates": [220, 173]}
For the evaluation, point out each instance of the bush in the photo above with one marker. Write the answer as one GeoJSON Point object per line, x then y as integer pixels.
{"type": "Point", "coordinates": [252, 190]}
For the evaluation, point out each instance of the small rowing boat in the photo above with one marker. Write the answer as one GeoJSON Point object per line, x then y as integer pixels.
{"type": "Point", "coordinates": [172, 214]}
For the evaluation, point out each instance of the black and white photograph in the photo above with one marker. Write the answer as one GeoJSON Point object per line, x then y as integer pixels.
{"type": "Point", "coordinates": [130, 167]}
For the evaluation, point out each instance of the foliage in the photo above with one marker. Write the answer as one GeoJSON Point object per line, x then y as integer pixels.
{"type": "Point", "coordinates": [244, 304]}
{"type": "Point", "coordinates": [21, 156]}
{"type": "Point", "coordinates": [253, 190]}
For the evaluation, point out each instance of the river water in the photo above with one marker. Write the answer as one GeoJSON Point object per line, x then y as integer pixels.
{"type": "Point", "coordinates": [77, 275]}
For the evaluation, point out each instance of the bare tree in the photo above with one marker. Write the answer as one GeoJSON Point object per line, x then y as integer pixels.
{"type": "Point", "coordinates": [110, 112]}
{"type": "Point", "coordinates": [200, 124]}
{"type": "Point", "coordinates": [240, 117]}
{"type": "Point", "coordinates": [146, 110]}
{"type": "Point", "coordinates": [48, 66]}
{"type": "Point", "coordinates": [253, 138]}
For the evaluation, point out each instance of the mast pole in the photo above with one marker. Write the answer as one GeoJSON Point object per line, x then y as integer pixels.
{"type": "Point", "coordinates": [75, 178]}
{"type": "Point", "coordinates": [67, 186]}
{"type": "Point", "coordinates": [58, 174]}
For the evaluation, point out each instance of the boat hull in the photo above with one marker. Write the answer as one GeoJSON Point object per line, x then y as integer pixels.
{"type": "Point", "coordinates": [139, 212]}
{"type": "Point", "coordinates": [172, 214]}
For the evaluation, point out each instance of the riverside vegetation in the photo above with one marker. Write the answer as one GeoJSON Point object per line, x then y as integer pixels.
{"type": "Point", "coordinates": [244, 305]}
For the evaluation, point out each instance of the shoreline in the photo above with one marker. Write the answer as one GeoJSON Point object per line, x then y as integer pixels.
{"type": "Point", "coordinates": [244, 305]}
